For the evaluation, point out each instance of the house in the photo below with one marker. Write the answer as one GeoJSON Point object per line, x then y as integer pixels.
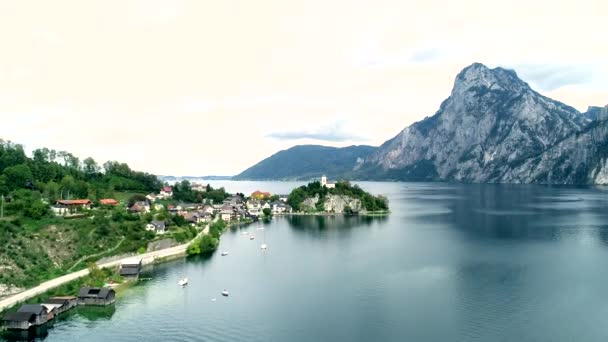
{"type": "Point", "coordinates": [198, 187]}
{"type": "Point", "coordinates": [281, 208]}
{"type": "Point", "coordinates": [166, 192]}
{"type": "Point", "coordinates": [192, 217]}
{"type": "Point", "coordinates": [327, 184]}
{"type": "Point", "coordinates": [233, 200]}
{"type": "Point", "coordinates": [96, 296]}
{"type": "Point", "coordinates": [226, 212]}
{"type": "Point", "coordinates": [108, 201]}
{"type": "Point", "coordinates": [260, 194]}
{"type": "Point", "coordinates": [151, 197]}
{"type": "Point", "coordinates": [130, 268]}
{"type": "Point", "coordinates": [266, 205]}
{"type": "Point", "coordinates": [207, 217]}
{"type": "Point", "coordinates": [27, 316]}
{"type": "Point", "coordinates": [208, 209]}
{"type": "Point", "coordinates": [60, 304]}
{"type": "Point", "coordinates": [254, 203]}
{"type": "Point", "coordinates": [65, 207]}
{"type": "Point", "coordinates": [139, 207]}
{"type": "Point", "coordinates": [283, 198]}
{"type": "Point", "coordinates": [159, 227]}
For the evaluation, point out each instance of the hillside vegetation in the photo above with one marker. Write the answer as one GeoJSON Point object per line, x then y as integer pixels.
{"type": "Point", "coordinates": [34, 244]}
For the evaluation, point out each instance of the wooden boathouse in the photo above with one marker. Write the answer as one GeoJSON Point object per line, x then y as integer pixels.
{"type": "Point", "coordinates": [27, 316]}
{"type": "Point", "coordinates": [60, 304]}
{"type": "Point", "coordinates": [96, 296]}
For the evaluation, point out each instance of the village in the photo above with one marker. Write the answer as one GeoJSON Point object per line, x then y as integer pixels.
{"type": "Point", "coordinates": [233, 209]}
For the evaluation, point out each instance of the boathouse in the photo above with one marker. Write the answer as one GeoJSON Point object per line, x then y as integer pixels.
{"type": "Point", "coordinates": [130, 268]}
{"type": "Point", "coordinates": [96, 296]}
{"type": "Point", "coordinates": [60, 304]}
{"type": "Point", "coordinates": [27, 316]}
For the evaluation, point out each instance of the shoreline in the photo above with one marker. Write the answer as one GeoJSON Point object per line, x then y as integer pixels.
{"type": "Point", "coordinates": [146, 258]}
{"type": "Point", "coordinates": [150, 258]}
{"type": "Point", "coordinates": [371, 213]}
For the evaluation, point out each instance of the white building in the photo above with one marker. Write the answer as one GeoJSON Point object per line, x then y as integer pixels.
{"type": "Point", "coordinates": [327, 184]}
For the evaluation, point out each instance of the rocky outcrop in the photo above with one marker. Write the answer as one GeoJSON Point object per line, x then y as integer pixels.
{"type": "Point", "coordinates": [333, 203]}
{"type": "Point", "coordinates": [338, 204]}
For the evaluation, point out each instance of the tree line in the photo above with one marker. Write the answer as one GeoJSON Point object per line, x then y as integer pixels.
{"type": "Point", "coordinates": [55, 175]}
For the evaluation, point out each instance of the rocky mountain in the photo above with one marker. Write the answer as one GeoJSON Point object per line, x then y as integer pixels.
{"type": "Point", "coordinates": [304, 162]}
{"type": "Point", "coordinates": [493, 128]}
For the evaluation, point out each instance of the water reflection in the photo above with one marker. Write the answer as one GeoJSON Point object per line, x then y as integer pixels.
{"type": "Point", "coordinates": [319, 226]}
{"type": "Point", "coordinates": [96, 313]}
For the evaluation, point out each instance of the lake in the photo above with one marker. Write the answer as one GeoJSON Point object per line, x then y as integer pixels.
{"type": "Point", "coordinates": [451, 263]}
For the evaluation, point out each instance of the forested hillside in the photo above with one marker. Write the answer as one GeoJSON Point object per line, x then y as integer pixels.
{"type": "Point", "coordinates": [35, 245]}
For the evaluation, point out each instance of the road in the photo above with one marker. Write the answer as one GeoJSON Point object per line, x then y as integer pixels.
{"type": "Point", "coordinates": [147, 258]}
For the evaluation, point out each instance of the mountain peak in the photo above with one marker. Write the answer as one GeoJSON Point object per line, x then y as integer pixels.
{"type": "Point", "coordinates": [478, 77]}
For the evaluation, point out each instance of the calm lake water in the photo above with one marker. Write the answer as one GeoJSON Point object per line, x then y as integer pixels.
{"type": "Point", "coordinates": [452, 263]}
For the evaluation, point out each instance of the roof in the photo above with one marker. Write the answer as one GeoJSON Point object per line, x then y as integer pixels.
{"type": "Point", "coordinates": [167, 189]}
{"type": "Point", "coordinates": [131, 262]}
{"type": "Point", "coordinates": [108, 201]}
{"type": "Point", "coordinates": [74, 202]}
{"type": "Point", "coordinates": [20, 317]}
{"type": "Point", "coordinates": [59, 300]}
{"type": "Point", "coordinates": [129, 271]}
{"type": "Point", "coordinates": [158, 224]}
{"type": "Point", "coordinates": [94, 292]}
{"type": "Point", "coordinates": [260, 193]}
{"type": "Point", "coordinates": [36, 309]}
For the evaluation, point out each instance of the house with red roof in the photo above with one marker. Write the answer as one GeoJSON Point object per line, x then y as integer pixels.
{"type": "Point", "coordinates": [166, 192]}
{"type": "Point", "coordinates": [108, 201]}
{"type": "Point", "coordinates": [65, 207]}
{"type": "Point", "coordinates": [260, 194]}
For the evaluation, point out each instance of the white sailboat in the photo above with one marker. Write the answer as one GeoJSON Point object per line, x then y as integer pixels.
{"type": "Point", "coordinates": [264, 246]}
{"type": "Point", "coordinates": [225, 293]}
{"type": "Point", "coordinates": [183, 281]}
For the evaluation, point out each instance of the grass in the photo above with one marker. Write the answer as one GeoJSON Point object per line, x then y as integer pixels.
{"type": "Point", "coordinates": [33, 251]}
{"type": "Point", "coordinates": [123, 196]}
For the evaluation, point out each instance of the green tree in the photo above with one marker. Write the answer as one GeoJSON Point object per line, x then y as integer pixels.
{"type": "Point", "coordinates": [18, 176]}
{"type": "Point", "coordinates": [90, 167]}
{"type": "Point", "coordinates": [267, 212]}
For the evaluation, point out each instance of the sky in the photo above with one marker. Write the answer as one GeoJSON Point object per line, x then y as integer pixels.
{"type": "Point", "coordinates": [211, 87]}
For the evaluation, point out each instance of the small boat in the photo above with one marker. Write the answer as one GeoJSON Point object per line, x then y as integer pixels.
{"type": "Point", "coordinates": [225, 293]}
{"type": "Point", "coordinates": [260, 228]}
{"type": "Point", "coordinates": [224, 253]}
{"type": "Point", "coordinates": [264, 246]}
{"type": "Point", "coordinates": [245, 233]}
{"type": "Point", "coordinates": [183, 282]}
{"type": "Point", "coordinates": [252, 237]}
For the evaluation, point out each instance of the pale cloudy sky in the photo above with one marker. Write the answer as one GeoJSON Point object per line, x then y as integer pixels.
{"type": "Point", "coordinates": [210, 87]}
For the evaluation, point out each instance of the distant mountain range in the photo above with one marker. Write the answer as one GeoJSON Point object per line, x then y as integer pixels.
{"type": "Point", "coordinates": [304, 162]}
{"type": "Point", "coordinates": [493, 128]}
